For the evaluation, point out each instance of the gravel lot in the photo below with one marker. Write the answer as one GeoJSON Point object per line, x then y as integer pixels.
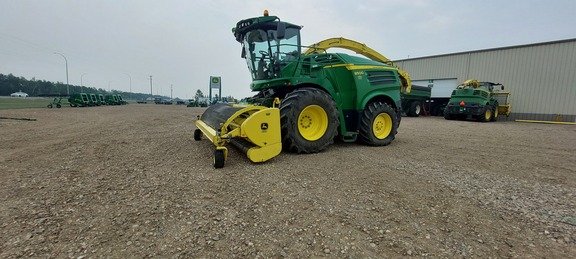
{"type": "Point", "coordinates": [129, 181]}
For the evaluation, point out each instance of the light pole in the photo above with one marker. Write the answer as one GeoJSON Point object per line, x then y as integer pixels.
{"type": "Point", "coordinates": [67, 85]}
{"type": "Point", "coordinates": [130, 84]}
{"type": "Point", "coordinates": [81, 84]}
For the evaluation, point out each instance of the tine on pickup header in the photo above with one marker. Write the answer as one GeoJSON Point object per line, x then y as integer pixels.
{"type": "Point", "coordinates": [253, 129]}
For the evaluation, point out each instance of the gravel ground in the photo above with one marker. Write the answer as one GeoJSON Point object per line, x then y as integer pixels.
{"type": "Point", "coordinates": [129, 181]}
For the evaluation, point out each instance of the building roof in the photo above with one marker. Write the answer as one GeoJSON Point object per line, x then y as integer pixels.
{"type": "Point", "coordinates": [491, 49]}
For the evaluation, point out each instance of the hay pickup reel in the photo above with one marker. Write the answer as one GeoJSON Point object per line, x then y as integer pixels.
{"type": "Point", "coordinates": [253, 129]}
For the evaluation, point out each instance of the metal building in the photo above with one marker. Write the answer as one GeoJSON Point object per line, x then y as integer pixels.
{"type": "Point", "coordinates": [541, 77]}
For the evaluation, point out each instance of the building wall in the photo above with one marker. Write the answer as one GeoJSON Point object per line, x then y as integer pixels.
{"type": "Point", "coordinates": [541, 77]}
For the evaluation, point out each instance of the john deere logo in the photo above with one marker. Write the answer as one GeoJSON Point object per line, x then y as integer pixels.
{"type": "Point", "coordinates": [264, 126]}
{"type": "Point", "coordinates": [215, 80]}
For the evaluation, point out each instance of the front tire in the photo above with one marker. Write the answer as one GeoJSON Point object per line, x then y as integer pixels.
{"type": "Point", "coordinates": [379, 124]}
{"type": "Point", "coordinates": [197, 134]}
{"type": "Point", "coordinates": [218, 159]}
{"type": "Point", "coordinates": [309, 120]}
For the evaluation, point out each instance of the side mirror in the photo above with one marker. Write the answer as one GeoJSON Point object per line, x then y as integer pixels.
{"type": "Point", "coordinates": [280, 30]}
{"type": "Point", "coordinates": [243, 55]}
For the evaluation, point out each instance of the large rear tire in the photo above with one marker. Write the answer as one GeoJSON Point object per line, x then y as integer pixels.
{"type": "Point", "coordinates": [379, 124]}
{"type": "Point", "coordinates": [494, 112]}
{"type": "Point", "coordinates": [415, 109]}
{"type": "Point", "coordinates": [448, 115]}
{"type": "Point", "coordinates": [486, 114]}
{"type": "Point", "coordinates": [309, 121]}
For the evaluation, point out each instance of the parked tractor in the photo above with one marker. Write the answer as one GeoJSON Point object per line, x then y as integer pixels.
{"type": "Point", "coordinates": [111, 99]}
{"type": "Point", "coordinates": [93, 100]}
{"type": "Point", "coordinates": [78, 100]}
{"type": "Point", "coordinates": [482, 101]}
{"type": "Point", "coordinates": [305, 99]}
{"type": "Point", "coordinates": [121, 100]}
{"type": "Point", "coordinates": [101, 99]}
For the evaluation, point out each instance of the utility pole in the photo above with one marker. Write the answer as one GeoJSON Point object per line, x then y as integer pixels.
{"type": "Point", "coordinates": [151, 99]}
{"type": "Point", "coordinates": [67, 84]}
{"type": "Point", "coordinates": [171, 92]}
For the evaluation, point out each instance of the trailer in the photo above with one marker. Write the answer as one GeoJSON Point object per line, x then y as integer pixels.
{"type": "Point", "coordinates": [440, 93]}
{"type": "Point", "coordinates": [413, 102]}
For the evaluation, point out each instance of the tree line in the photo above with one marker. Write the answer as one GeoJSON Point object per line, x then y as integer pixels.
{"type": "Point", "coordinates": [41, 88]}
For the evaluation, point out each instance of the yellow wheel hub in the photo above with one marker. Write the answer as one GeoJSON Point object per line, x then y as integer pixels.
{"type": "Point", "coordinates": [382, 126]}
{"type": "Point", "coordinates": [488, 114]}
{"type": "Point", "coordinates": [312, 122]}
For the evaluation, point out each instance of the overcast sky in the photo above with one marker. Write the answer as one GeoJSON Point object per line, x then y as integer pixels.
{"type": "Point", "coordinates": [182, 43]}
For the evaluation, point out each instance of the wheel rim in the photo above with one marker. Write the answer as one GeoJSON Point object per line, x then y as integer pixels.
{"type": "Point", "coordinates": [417, 109]}
{"type": "Point", "coordinates": [312, 122]}
{"type": "Point", "coordinates": [496, 113]}
{"type": "Point", "coordinates": [382, 125]}
{"type": "Point", "coordinates": [488, 114]}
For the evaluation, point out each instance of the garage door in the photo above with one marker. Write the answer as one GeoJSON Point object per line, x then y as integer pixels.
{"type": "Point", "coordinates": [441, 88]}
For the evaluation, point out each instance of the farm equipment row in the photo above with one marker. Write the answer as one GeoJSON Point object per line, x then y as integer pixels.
{"type": "Point", "coordinates": [84, 100]}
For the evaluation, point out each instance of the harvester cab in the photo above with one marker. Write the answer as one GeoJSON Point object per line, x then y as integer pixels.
{"type": "Point", "coordinates": [483, 101]}
{"type": "Point", "coordinates": [268, 45]}
{"type": "Point", "coordinates": [305, 100]}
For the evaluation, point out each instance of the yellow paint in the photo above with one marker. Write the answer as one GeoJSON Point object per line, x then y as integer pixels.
{"type": "Point", "coordinates": [382, 126]}
{"type": "Point", "coordinates": [258, 124]}
{"type": "Point", "coordinates": [312, 122]}
{"type": "Point", "coordinates": [548, 122]}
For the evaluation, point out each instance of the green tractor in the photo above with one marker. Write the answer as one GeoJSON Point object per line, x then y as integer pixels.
{"type": "Point", "coordinates": [79, 100]}
{"type": "Point", "coordinates": [93, 100]}
{"type": "Point", "coordinates": [318, 96]}
{"type": "Point", "coordinates": [121, 100]}
{"type": "Point", "coordinates": [101, 99]}
{"type": "Point", "coordinates": [481, 101]}
{"type": "Point", "coordinates": [112, 99]}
